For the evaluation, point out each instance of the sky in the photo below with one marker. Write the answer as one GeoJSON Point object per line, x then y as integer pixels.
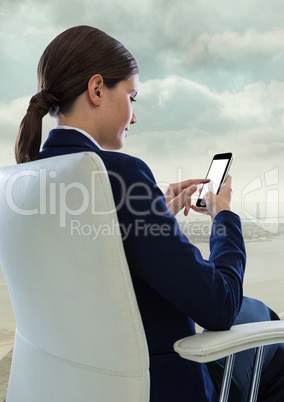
{"type": "Point", "coordinates": [211, 81]}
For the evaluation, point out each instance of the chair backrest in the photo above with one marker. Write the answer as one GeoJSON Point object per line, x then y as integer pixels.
{"type": "Point", "coordinates": [79, 334]}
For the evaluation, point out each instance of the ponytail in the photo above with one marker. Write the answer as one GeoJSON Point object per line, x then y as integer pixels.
{"type": "Point", "coordinates": [30, 132]}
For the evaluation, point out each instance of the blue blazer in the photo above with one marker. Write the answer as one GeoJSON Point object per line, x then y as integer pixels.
{"type": "Point", "coordinates": [174, 285]}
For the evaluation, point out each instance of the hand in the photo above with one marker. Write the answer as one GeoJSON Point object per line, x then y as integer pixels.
{"type": "Point", "coordinates": [178, 195]}
{"type": "Point", "coordinates": [213, 204]}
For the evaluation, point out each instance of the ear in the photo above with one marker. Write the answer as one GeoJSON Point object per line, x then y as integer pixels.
{"type": "Point", "coordinates": [95, 89]}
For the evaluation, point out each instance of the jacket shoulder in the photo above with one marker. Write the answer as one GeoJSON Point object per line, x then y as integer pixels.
{"type": "Point", "coordinates": [124, 163]}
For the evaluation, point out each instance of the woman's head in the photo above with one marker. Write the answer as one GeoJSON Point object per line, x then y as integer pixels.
{"type": "Point", "coordinates": [64, 70]}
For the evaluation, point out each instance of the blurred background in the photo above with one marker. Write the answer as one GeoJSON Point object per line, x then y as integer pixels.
{"type": "Point", "coordinates": [211, 81]}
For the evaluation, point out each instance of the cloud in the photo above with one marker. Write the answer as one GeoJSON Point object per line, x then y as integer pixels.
{"type": "Point", "coordinates": [258, 104]}
{"type": "Point", "coordinates": [10, 117]}
{"type": "Point", "coordinates": [21, 46]}
{"type": "Point", "coordinates": [211, 43]}
{"type": "Point", "coordinates": [178, 103]}
{"type": "Point", "coordinates": [232, 46]}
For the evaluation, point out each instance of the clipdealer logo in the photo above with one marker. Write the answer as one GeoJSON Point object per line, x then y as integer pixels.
{"type": "Point", "coordinates": [268, 188]}
{"type": "Point", "coordinates": [53, 197]}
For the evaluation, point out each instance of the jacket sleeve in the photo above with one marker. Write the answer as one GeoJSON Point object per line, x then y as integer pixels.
{"type": "Point", "coordinates": [209, 291]}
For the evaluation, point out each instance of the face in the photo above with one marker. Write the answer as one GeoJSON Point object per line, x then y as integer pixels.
{"type": "Point", "coordinates": [117, 112]}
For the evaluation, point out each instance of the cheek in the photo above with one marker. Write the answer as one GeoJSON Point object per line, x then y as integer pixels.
{"type": "Point", "coordinates": [126, 113]}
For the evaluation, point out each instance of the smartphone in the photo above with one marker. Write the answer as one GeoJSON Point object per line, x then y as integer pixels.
{"type": "Point", "coordinates": [217, 173]}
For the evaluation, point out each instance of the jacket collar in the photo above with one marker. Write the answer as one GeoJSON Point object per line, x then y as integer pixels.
{"type": "Point", "coordinates": [69, 137]}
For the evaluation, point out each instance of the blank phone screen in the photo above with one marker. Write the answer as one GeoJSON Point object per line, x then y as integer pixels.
{"type": "Point", "coordinates": [216, 175]}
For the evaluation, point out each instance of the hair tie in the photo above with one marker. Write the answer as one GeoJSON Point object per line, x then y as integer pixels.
{"type": "Point", "coordinates": [40, 103]}
{"type": "Point", "coordinates": [50, 99]}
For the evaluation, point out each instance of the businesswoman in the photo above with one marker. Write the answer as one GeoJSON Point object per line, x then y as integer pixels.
{"type": "Point", "coordinates": [88, 81]}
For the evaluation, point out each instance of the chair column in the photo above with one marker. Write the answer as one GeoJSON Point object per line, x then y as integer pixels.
{"type": "Point", "coordinates": [256, 374]}
{"type": "Point", "coordinates": [227, 376]}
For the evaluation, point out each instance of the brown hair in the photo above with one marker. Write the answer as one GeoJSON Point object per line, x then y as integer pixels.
{"type": "Point", "coordinates": [64, 70]}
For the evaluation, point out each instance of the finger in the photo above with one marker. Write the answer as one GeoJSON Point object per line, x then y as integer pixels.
{"type": "Point", "coordinates": [200, 210]}
{"type": "Point", "coordinates": [169, 193]}
{"type": "Point", "coordinates": [183, 199]}
{"type": "Point", "coordinates": [193, 182]}
{"type": "Point", "coordinates": [226, 186]}
{"type": "Point", "coordinates": [228, 182]}
{"type": "Point", "coordinates": [190, 191]}
{"type": "Point", "coordinates": [177, 188]}
{"type": "Point", "coordinates": [209, 198]}
{"type": "Point", "coordinates": [228, 179]}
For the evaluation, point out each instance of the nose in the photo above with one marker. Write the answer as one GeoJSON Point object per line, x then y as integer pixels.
{"type": "Point", "coordinates": [133, 119]}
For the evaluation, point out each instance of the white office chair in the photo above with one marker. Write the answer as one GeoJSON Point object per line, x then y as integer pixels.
{"type": "Point", "coordinates": [79, 333]}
